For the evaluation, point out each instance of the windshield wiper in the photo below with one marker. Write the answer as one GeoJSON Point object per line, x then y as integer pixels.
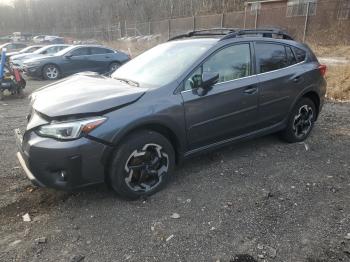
{"type": "Point", "coordinates": [128, 81]}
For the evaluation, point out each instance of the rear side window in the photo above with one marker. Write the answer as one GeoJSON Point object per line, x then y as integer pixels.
{"type": "Point", "coordinates": [34, 48]}
{"type": "Point", "coordinates": [271, 57]}
{"type": "Point", "coordinates": [51, 50]}
{"type": "Point", "coordinates": [299, 54]}
{"type": "Point", "coordinates": [290, 56]}
{"type": "Point", "coordinates": [100, 51]}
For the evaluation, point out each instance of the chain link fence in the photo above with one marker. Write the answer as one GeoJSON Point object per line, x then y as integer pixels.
{"type": "Point", "coordinates": [321, 22]}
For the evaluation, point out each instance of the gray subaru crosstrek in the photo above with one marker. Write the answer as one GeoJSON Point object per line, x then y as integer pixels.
{"type": "Point", "coordinates": [192, 94]}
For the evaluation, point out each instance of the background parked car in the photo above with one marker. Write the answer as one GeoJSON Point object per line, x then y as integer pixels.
{"type": "Point", "coordinates": [39, 38]}
{"type": "Point", "coordinates": [21, 37]}
{"type": "Point", "coordinates": [17, 60]}
{"type": "Point", "coordinates": [53, 40]}
{"type": "Point", "coordinates": [27, 50]}
{"type": "Point", "coordinates": [12, 47]}
{"type": "Point", "coordinates": [75, 59]}
{"type": "Point", "coordinates": [5, 38]}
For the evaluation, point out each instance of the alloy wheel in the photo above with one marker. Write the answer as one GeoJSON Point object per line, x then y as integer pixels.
{"type": "Point", "coordinates": [303, 121]}
{"type": "Point", "coordinates": [52, 72]}
{"type": "Point", "coordinates": [146, 167]}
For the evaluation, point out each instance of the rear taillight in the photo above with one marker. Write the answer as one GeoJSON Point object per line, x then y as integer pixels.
{"type": "Point", "coordinates": [323, 69]}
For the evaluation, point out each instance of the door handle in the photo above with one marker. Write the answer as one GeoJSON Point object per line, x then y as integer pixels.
{"type": "Point", "coordinates": [296, 79]}
{"type": "Point", "coordinates": [250, 90]}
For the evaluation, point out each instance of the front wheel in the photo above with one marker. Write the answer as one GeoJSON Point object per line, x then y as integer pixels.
{"type": "Point", "coordinates": [301, 121]}
{"type": "Point", "coordinates": [51, 72]}
{"type": "Point", "coordinates": [142, 164]}
{"type": "Point", "coordinates": [113, 66]}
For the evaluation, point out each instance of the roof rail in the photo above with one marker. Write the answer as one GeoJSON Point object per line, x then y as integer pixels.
{"type": "Point", "coordinates": [264, 32]}
{"type": "Point", "coordinates": [206, 32]}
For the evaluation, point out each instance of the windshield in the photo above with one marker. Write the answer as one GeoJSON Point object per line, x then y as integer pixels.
{"type": "Point", "coordinates": [65, 50]}
{"type": "Point", "coordinates": [40, 50]}
{"type": "Point", "coordinates": [163, 63]}
{"type": "Point", "coordinates": [29, 49]}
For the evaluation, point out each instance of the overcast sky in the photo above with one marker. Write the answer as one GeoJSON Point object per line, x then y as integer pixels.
{"type": "Point", "coordinates": [6, 1]}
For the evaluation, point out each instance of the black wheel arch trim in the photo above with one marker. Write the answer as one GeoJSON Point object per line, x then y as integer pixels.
{"type": "Point", "coordinates": [312, 93]}
{"type": "Point", "coordinates": [157, 126]}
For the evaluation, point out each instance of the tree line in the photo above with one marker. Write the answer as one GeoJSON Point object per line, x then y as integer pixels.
{"type": "Point", "coordinates": [59, 16]}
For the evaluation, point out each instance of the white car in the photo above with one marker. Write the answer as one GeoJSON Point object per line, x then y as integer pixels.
{"type": "Point", "coordinates": [27, 50]}
{"type": "Point", "coordinates": [39, 38]}
{"type": "Point", "coordinates": [17, 60]}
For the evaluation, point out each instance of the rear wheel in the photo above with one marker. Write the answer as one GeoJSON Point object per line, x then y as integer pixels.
{"type": "Point", "coordinates": [301, 121]}
{"type": "Point", "coordinates": [142, 164]}
{"type": "Point", "coordinates": [51, 72]}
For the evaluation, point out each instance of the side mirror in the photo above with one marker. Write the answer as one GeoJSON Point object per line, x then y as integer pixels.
{"type": "Point", "coordinates": [208, 80]}
{"type": "Point", "coordinates": [68, 56]}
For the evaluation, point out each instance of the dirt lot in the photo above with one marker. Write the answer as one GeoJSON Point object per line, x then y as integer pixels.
{"type": "Point", "coordinates": [264, 198]}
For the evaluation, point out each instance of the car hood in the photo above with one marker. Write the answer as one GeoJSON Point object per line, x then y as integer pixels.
{"type": "Point", "coordinates": [84, 94]}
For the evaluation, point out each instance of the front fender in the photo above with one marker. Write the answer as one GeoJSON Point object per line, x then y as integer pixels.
{"type": "Point", "coordinates": [166, 113]}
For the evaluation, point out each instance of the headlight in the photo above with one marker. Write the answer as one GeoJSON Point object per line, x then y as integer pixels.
{"type": "Point", "coordinates": [70, 129]}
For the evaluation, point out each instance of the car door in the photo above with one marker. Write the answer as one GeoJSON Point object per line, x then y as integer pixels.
{"type": "Point", "coordinates": [77, 61]}
{"type": "Point", "coordinates": [280, 78]}
{"type": "Point", "coordinates": [229, 108]}
{"type": "Point", "coordinates": [100, 58]}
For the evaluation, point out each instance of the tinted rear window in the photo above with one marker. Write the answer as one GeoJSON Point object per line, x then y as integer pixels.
{"type": "Point", "coordinates": [299, 54]}
{"type": "Point", "coordinates": [271, 57]}
{"type": "Point", "coordinates": [100, 50]}
{"type": "Point", "coordinates": [290, 56]}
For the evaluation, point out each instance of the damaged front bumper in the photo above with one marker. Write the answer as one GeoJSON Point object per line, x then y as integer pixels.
{"type": "Point", "coordinates": [21, 160]}
{"type": "Point", "coordinates": [64, 165]}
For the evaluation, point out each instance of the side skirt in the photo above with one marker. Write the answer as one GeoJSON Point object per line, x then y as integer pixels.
{"type": "Point", "coordinates": [262, 132]}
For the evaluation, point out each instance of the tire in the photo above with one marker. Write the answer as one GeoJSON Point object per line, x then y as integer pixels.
{"type": "Point", "coordinates": [129, 176]}
{"type": "Point", "coordinates": [113, 66]}
{"type": "Point", "coordinates": [51, 72]}
{"type": "Point", "coordinates": [300, 121]}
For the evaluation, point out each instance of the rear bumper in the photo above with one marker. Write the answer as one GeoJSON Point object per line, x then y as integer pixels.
{"type": "Point", "coordinates": [64, 165]}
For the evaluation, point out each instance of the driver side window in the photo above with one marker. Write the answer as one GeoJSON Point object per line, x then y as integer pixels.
{"type": "Point", "coordinates": [230, 63]}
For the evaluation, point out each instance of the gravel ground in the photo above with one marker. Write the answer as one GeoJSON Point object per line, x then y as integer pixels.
{"type": "Point", "coordinates": [262, 200]}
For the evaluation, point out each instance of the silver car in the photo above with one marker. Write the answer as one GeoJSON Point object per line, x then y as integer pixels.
{"type": "Point", "coordinates": [17, 60]}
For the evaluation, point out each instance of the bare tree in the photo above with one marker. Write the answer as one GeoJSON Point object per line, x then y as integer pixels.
{"type": "Point", "coordinates": [84, 16]}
